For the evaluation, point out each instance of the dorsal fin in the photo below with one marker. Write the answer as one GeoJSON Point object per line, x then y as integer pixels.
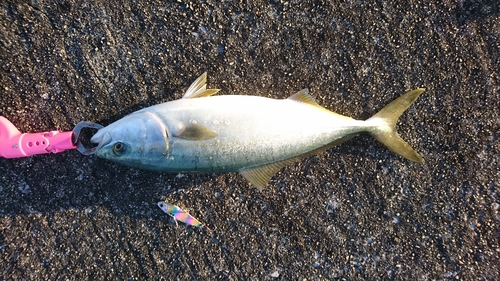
{"type": "Point", "coordinates": [199, 88]}
{"type": "Point", "coordinates": [303, 96]}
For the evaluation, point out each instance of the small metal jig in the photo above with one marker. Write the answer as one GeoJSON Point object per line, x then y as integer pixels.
{"type": "Point", "coordinates": [180, 215]}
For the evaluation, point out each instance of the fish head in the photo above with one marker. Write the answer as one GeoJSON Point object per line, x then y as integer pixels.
{"type": "Point", "coordinates": [139, 140]}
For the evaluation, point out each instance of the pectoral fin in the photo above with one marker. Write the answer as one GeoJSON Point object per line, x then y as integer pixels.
{"type": "Point", "coordinates": [199, 88]}
{"type": "Point", "coordinates": [195, 132]}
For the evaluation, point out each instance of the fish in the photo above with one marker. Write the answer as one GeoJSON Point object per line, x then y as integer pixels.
{"type": "Point", "coordinates": [179, 214]}
{"type": "Point", "coordinates": [252, 135]}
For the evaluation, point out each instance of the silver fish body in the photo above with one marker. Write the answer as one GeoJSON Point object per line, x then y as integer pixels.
{"type": "Point", "coordinates": [255, 136]}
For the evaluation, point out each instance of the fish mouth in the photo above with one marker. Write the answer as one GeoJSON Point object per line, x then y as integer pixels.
{"type": "Point", "coordinates": [101, 138]}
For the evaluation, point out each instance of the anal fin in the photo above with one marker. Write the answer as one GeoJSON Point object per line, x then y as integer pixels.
{"type": "Point", "coordinates": [260, 176]}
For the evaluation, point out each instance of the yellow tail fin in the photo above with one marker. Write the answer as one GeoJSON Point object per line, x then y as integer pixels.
{"type": "Point", "coordinates": [387, 134]}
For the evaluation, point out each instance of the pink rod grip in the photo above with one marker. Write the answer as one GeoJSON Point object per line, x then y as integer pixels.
{"type": "Point", "coordinates": [14, 144]}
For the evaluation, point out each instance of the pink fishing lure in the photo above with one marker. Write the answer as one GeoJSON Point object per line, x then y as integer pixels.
{"type": "Point", "coordinates": [179, 214]}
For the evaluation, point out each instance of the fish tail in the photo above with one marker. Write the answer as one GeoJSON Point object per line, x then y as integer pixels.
{"type": "Point", "coordinates": [385, 130]}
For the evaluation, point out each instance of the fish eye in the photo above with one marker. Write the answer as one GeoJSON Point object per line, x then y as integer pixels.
{"type": "Point", "coordinates": [118, 148]}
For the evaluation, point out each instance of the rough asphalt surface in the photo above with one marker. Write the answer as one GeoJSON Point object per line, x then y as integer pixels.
{"type": "Point", "coordinates": [357, 211]}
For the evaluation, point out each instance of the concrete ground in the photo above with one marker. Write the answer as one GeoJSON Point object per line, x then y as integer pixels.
{"type": "Point", "coordinates": [357, 211]}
